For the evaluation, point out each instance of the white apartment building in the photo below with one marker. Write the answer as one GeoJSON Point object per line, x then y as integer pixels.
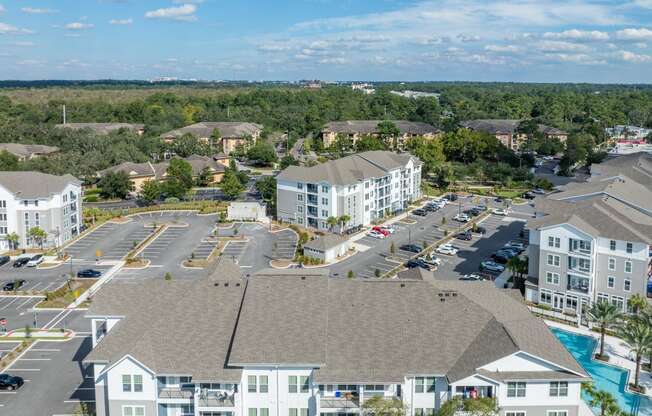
{"type": "Point", "coordinates": [296, 343]}
{"type": "Point", "coordinates": [34, 199]}
{"type": "Point", "coordinates": [364, 186]}
{"type": "Point", "coordinates": [593, 241]}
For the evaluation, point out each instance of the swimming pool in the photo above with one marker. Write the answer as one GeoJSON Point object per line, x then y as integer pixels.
{"type": "Point", "coordinates": [605, 377]}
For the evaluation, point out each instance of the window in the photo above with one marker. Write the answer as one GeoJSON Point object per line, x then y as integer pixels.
{"type": "Point", "coordinates": [324, 213]}
{"type": "Point", "coordinates": [253, 411]}
{"type": "Point", "coordinates": [264, 411]}
{"type": "Point", "coordinates": [553, 260]}
{"type": "Point", "coordinates": [300, 197]}
{"type": "Point", "coordinates": [628, 266]}
{"type": "Point", "coordinates": [627, 285]}
{"type": "Point", "coordinates": [611, 282]}
{"type": "Point", "coordinates": [583, 265]}
{"type": "Point", "coordinates": [612, 245]}
{"type": "Point", "coordinates": [630, 247]}
{"type": "Point", "coordinates": [618, 302]}
{"type": "Point", "coordinates": [324, 201]}
{"type": "Point", "coordinates": [3, 204]}
{"type": "Point", "coordinates": [263, 384]}
{"type": "Point", "coordinates": [559, 389]}
{"type": "Point", "coordinates": [519, 413]}
{"type": "Point", "coordinates": [297, 412]}
{"type": "Point", "coordinates": [138, 383]}
{"type": "Point", "coordinates": [602, 297]}
{"type": "Point", "coordinates": [251, 384]}
{"type": "Point", "coordinates": [132, 383]}
{"type": "Point", "coordinates": [424, 384]}
{"type": "Point", "coordinates": [419, 388]}
{"type": "Point", "coordinates": [305, 384]}
{"type": "Point", "coordinates": [557, 412]}
{"type": "Point", "coordinates": [554, 242]}
{"type": "Point", "coordinates": [299, 208]}
{"type": "Point", "coordinates": [552, 278]}
{"type": "Point", "coordinates": [298, 384]}
{"type": "Point", "coordinates": [545, 297]}
{"type": "Point", "coordinates": [612, 264]}
{"type": "Point", "coordinates": [126, 382]}
{"type": "Point", "coordinates": [133, 410]}
{"type": "Point", "coordinates": [324, 188]}
{"type": "Point", "coordinates": [299, 186]}
{"type": "Point", "coordinates": [571, 302]}
{"type": "Point", "coordinates": [516, 389]}
{"type": "Point", "coordinates": [581, 246]}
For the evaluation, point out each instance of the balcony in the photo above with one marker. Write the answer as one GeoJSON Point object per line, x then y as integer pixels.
{"type": "Point", "coordinates": [578, 284]}
{"type": "Point", "coordinates": [216, 399]}
{"type": "Point", "coordinates": [176, 393]}
{"type": "Point", "coordinates": [339, 402]}
{"type": "Point", "coordinates": [312, 188]}
{"type": "Point", "coordinates": [313, 200]}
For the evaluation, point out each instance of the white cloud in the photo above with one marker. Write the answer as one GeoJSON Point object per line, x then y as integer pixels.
{"type": "Point", "coordinates": [33, 10]}
{"type": "Point", "coordinates": [634, 34]}
{"type": "Point", "coordinates": [575, 34]}
{"type": "Point", "coordinates": [468, 38]}
{"type": "Point", "coordinates": [2, 8]}
{"type": "Point", "coordinates": [79, 26]}
{"type": "Point", "coordinates": [274, 47]}
{"type": "Point", "coordinates": [121, 22]}
{"type": "Point", "coordinates": [647, 4]}
{"type": "Point", "coordinates": [7, 29]}
{"type": "Point", "coordinates": [186, 13]}
{"type": "Point", "coordinates": [641, 45]}
{"type": "Point", "coordinates": [502, 48]}
{"type": "Point", "coordinates": [24, 44]}
{"type": "Point", "coordinates": [561, 46]}
{"type": "Point", "coordinates": [633, 57]}
{"type": "Point", "coordinates": [188, 1]}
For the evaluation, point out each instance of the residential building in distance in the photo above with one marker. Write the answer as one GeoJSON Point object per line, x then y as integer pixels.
{"type": "Point", "coordinates": [416, 94]}
{"type": "Point", "coordinates": [506, 131]}
{"type": "Point", "coordinates": [28, 151]}
{"type": "Point", "coordinates": [224, 345]}
{"type": "Point", "coordinates": [103, 129]}
{"type": "Point", "coordinates": [592, 241]}
{"type": "Point", "coordinates": [627, 133]}
{"type": "Point", "coordinates": [364, 186]}
{"type": "Point", "coordinates": [232, 134]}
{"type": "Point", "coordinates": [364, 87]}
{"type": "Point", "coordinates": [354, 129]}
{"type": "Point", "coordinates": [140, 173]}
{"type": "Point", "coordinates": [34, 199]}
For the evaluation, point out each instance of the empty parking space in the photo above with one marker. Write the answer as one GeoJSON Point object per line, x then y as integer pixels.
{"type": "Point", "coordinates": [285, 244]}
{"type": "Point", "coordinates": [157, 249]}
{"type": "Point", "coordinates": [205, 249]}
{"type": "Point", "coordinates": [20, 311]}
{"type": "Point", "coordinates": [110, 241]}
{"type": "Point", "coordinates": [234, 250]}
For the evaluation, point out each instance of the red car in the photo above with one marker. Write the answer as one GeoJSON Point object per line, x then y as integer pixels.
{"type": "Point", "coordinates": [381, 230]}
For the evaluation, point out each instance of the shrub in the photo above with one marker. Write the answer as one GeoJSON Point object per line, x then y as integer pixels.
{"type": "Point", "coordinates": [168, 276]}
{"type": "Point", "coordinates": [91, 198]}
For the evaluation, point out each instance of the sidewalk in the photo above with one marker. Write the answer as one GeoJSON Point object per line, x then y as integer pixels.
{"type": "Point", "coordinates": [617, 350]}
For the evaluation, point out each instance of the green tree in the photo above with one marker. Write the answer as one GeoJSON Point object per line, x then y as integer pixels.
{"type": "Point", "coordinates": [150, 191]}
{"type": "Point", "coordinates": [392, 248]}
{"type": "Point", "coordinates": [262, 154]}
{"type": "Point", "coordinates": [231, 185]}
{"type": "Point", "coordinates": [216, 137]}
{"type": "Point", "coordinates": [205, 177]}
{"type": "Point", "coordinates": [350, 274]}
{"type": "Point", "coordinates": [519, 267]}
{"type": "Point", "coordinates": [600, 399]}
{"type": "Point", "coordinates": [605, 315]}
{"type": "Point", "coordinates": [288, 160]}
{"type": "Point", "coordinates": [332, 222]}
{"type": "Point", "coordinates": [381, 406]}
{"type": "Point", "coordinates": [38, 235]}
{"type": "Point", "coordinates": [367, 142]}
{"type": "Point", "coordinates": [267, 188]}
{"type": "Point", "coordinates": [13, 240]}
{"type": "Point", "coordinates": [8, 161]}
{"type": "Point", "coordinates": [638, 335]}
{"type": "Point", "coordinates": [343, 220]}
{"type": "Point", "coordinates": [388, 133]}
{"type": "Point", "coordinates": [637, 303]}
{"type": "Point", "coordinates": [178, 179]}
{"type": "Point", "coordinates": [483, 406]}
{"type": "Point", "coordinates": [115, 185]}
{"type": "Point", "coordinates": [188, 145]}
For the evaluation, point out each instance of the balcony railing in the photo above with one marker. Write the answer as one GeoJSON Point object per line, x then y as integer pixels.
{"type": "Point", "coordinates": [339, 403]}
{"type": "Point", "coordinates": [216, 399]}
{"type": "Point", "coordinates": [176, 393]}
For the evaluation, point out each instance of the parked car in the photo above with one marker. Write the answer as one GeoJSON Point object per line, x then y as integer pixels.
{"type": "Point", "coordinates": [462, 218]}
{"type": "Point", "coordinates": [376, 234]}
{"type": "Point", "coordinates": [381, 230]}
{"type": "Point", "coordinates": [539, 191]}
{"type": "Point", "coordinates": [21, 261]}
{"type": "Point", "coordinates": [89, 273]}
{"type": "Point", "coordinates": [473, 277]}
{"type": "Point", "coordinates": [451, 197]}
{"type": "Point", "coordinates": [492, 266]}
{"type": "Point", "coordinates": [466, 236]}
{"type": "Point", "coordinates": [503, 256]}
{"type": "Point", "coordinates": [13, 285]}
{"type": "Point", "coordinates": [528, 195]}
{"type": "Point", "coordinates": [435, 206]}
{"type": "Point", "coordinates": [499, 211]}
{"type": "Point", "coordinates": [412, 248]}
{"type": "Point", "coordinates": [430, 259]}
{"type": "Point", "coordinates": [35, 261]}
{"type": "Point", "coordinates": [516, 245]}
{"type": "Point", "coordinates": [447, 250]}
{"type": "Point", "coordinates": [480, 230]}
{"type": "Point", "coordinates": [411, 264]}
{"type": "Point", "coordinates": [4, 260]}
{"type": "Point", "coordinates": [9, 382]}
{"type": "Point", "coordinates": [420, 212]}
{"type": "Point", "coordinates": [387, 228]}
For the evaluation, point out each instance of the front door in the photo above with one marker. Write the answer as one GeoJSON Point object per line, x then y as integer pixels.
{"type": "Point", "coordinates": [557, 301]}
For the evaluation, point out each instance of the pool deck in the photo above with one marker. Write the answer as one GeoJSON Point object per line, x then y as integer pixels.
{"type": "Point", "coordinates": [617, 350]}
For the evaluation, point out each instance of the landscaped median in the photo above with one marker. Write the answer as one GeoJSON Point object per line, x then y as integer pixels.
{"type": "Point", "coordinates": [34, 334]}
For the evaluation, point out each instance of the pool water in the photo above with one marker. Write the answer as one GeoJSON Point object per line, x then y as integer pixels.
{"type": "Point", "coordinates": [605, 377]}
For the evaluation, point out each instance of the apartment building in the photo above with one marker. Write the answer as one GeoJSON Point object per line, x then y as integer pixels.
{"type": "Point", "coordinates": [506, 131]}
{"type": "Point", "coordinates": [231, 134]}
{"type": "Point", "coordinates": [297, 343]}
{"type": "Point", "coordinates": [103, 129]}
{"type": "Point", "coordinates": [28, 151]}
{"type": "Point", "coordinates": [593, 241]}
{"type": "Point", "coordinates": [354, 129]}
{"type": "Point", "coordinates": [364, 186]}
{"type": "Point", "coordinates": [34, 199]}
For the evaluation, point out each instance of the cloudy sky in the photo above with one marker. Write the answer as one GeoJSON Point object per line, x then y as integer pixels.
{"type": "Point", "coordinates": [483, 40]}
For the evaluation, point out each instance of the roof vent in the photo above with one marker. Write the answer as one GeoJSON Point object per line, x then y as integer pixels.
{"type": "Point", "coordinates": [442, 300]}
{"type": "Point", "coordinates": [440, 294]}
{"type": "Point", "coordinates": [454, 294]}
{"type": "Point", "coordinates": [226, 284]}
{"type": "Point", "coordinates": [303, 277]}
{"type": "Point", "coordinates": [402, 284]}
{"type": "Point", "coordinates": [216, 284]}
{"type": "Point", "coordinates": [237, 284]}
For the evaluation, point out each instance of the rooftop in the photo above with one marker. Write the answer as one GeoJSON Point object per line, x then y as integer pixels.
{"type": "Point", "coordinates": [505, 126]}
{"type": "Point", "coordinates": [325, 242]}
{"type": "Point", "coordinates": [350, 169]}
{"type": "Point", "coordinates": [102, 128]}
{"type": "Point", "coordinates": [371, 127]}
{"type": "Point", "coordinates": [158, 170]}
{"type": "Point", "coordinates": [26, 151]}
{"type": "Point", "coordinates": [227, 129]}
{"type": "Point", "coordinates": [31, 185]}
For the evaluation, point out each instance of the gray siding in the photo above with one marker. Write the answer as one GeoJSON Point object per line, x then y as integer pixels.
{"type": "Point", "coordinates": [286, 205]}
{"type": "Point", "coordinates": [115, 406]}
{"type": "Point", "coordinates": [638, 276]}
{"type": "Point", "coordinates": [539, 410]}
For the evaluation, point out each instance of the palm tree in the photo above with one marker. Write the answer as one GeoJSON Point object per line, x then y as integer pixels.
{"type": "Point", "coordinates": [518, 266]}
{"type": "Point", "coordinates": [637, 302]}
{"type": "Point", "coordinates": [332, 222]}
{"type": "Point", "coordinates": [646, 318]}
{"type": "Point", "coordinates": [638, 335]}
{"type": "Point", "coordinates": [38, 235]}
{"type": "Point", "coordinates": [602, 400]}
{"type": "Point", "coordinates": [605, 315]}
{"type": "Point", "coordinates": [343, 220]}
{"type": "Point", "coordinates": [13, 240]}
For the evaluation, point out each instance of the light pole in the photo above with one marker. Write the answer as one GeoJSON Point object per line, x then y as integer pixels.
{"type": "Point", "coordinates": [35, 319]}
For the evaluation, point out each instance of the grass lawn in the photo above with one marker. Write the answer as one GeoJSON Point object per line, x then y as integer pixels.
{"type": "Point", "coordinates": [64, 296]}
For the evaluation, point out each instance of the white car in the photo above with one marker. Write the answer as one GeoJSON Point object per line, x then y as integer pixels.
{"type": "Point", "coordinates": [516, 244]}
{"type": "Point", "coordinates": [388, 228]}
{"type": "Point", "coordinates": [376, 234]}
{"type": "Point", "coordinates": [447, 250]}
{"type": "Point", "coordinates": [35, 261]}
{"type": "Point", "coordinates": [462, 218]}
{"type": "Point", "coordinates": [538, 191]}
{"type": "Point", "coordinates": [473, 277]}
{"type": "Point", "coordinates": [499, 211]}
{"type": "Point", "coordinates": [430, 259]}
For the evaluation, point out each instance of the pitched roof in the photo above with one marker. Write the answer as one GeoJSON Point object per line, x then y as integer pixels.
{"type": "Point", "coordinates": [227, 129]}
{"type": "Point", "coordinates": [350, 169]}
{"type": "Point", "coordinates": [158, 170]}
{"type": "Point", "coordinates": [102, 128]}
{"type": "Point", "coordinates": [371, 127]}
{"type": "Point", "coordinates": [27, 150]}
{"type": "Point", "coordinates": [636, 166]}
{"type": "Point", "coordinates": [505, 126]}
{"type": "Point", "coordinates": [28, 185]}
{"type": "Point", "coordinates": [325, 242]}
{"type": "Point", "coordinates": [173, 327]}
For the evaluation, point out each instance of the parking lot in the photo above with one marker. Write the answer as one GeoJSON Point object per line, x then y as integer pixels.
{"type": "Point", "coordinates": [111, 241]}
{"type": "Point", "coordinates": [205, 248]}
{"type": "Point", "coordinates": [157, 249]}
{"type": "Point", "coordinates": [285, 244]}
{"type": "Point", "coordinates": [45, 279]}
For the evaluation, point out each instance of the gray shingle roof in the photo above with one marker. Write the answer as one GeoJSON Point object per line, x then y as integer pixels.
{"type": "Point", "coordinates": [349, 169]}
{"type": "Point", "coordinates": [102, 128]}
{"type": "Point", "coordinates": [504, 376]}
{"type": "Point", "coordinates": [228, 129]}
{"type": "Point", "coordinates": [371, 127]}
{"type": "Point", "coordinates": [325, 242]}
{"type": "Point", "coordinates": [27, 150]}
{"type": "Point", "coordinates": [636, 166]}
{"type": "Point", "coordinates": [197, 163]}
{"type": "Point", "coordinates": [505, 126]}
{"type": "Point", "coordinates": [28, 185]}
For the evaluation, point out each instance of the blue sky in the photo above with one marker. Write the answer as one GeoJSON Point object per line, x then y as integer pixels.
{"type": "Point", "coordinates": [480, 40]}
